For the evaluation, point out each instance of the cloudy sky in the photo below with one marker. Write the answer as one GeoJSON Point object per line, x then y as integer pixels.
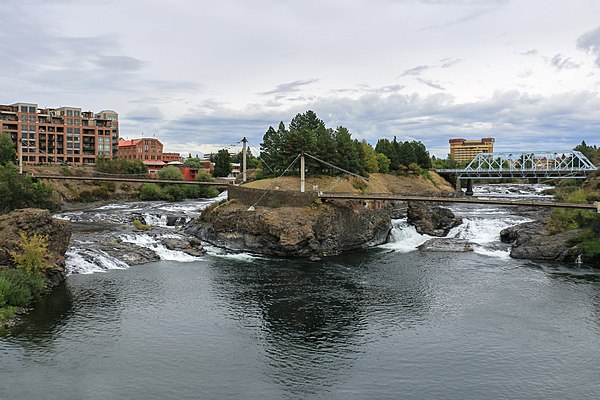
{"type": "Point", "coordinates": [199, 75]}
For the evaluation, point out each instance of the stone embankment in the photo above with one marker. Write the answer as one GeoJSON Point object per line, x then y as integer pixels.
{"type": "Point", "coordinates": [30, 221]}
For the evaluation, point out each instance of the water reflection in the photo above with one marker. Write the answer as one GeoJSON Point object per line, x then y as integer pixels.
{"type": "Point", "coordinates": [41, 325]}
{"type": "Point", "coordinates": [315, 319]}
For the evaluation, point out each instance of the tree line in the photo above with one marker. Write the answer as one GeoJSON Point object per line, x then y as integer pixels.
{"type": "Point", "coordinates": [306, 132]}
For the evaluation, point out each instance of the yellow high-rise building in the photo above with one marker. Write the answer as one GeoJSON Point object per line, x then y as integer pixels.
{"type": "Point", "coordinates": [466, 150]}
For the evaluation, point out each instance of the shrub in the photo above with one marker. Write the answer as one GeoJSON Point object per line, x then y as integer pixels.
{"type": "Point", "coordinates": [204, 177]}
{"type": "Point", "coordinates": [20, 289]}
{"type": "Point", "coordinates": [359, 184]}
{"type": "Point", "coordinates": [22, 191]}
{"type": "Point", "coordinates": [151, 191]}
{"type": "Point", "coordinates": [140, 226]}
{"type": "Point", "coordinates": [171, 172]}
{"type": "Point", "coordinates": [34, 257]}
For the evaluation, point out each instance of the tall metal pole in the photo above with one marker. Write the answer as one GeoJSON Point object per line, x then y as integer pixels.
{"type": "Point", "coordinates": [244, 141]}
{"type": "Point", "coordinates": [302, 177]}
{"type": "Point", "coordinates": [20, 148]}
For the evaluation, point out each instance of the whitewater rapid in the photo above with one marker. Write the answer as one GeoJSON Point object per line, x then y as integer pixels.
{"type": "Point", "coordinates": [481, 227]}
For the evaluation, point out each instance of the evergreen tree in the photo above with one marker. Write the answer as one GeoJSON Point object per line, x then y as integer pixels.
{"type": "Point", "coordinates": [222, 162]}
{"type": "Point", "coordinates": [326, 150]}
{"type": "Point", "coordinates": [346, 150]}
{"type": "Point", "coordinates": [406, 154]}
{"type": "Point", "coordinates": [270, 149]}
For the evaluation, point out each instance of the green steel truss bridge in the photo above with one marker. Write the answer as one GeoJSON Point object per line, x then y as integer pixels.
{"type": "Point", "coordinates": [538, 164]}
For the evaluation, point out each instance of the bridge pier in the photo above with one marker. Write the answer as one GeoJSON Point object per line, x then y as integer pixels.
{"type": "Point", "coordinates": [469, 191]}
{"type": "Point", "coordinates": [457, 185]}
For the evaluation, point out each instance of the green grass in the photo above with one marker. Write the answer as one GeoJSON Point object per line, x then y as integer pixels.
{"type": "Point", "coordinates": [7, 314]}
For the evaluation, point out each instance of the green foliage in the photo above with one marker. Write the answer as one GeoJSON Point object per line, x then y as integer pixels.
{"type": "Point", "coordinates": [569, 219]}
{"type": "Point", "coordinates": [19, 289]}
{"type": "Point", "coordinates": [360, 184]}
{"type": "Point", "coordinates": [222, 162]}
{"type": "Point", "coordinates": [251, 161]}
{"type": "Point", "coordinates": [8, 153]}
{"type": "Point", "coordinates": [591, 152]}
{"type": "Point", "coordinates": [99, 193]}
{"type": "Point", "coordinates": [309, 134]}
{"type": "Point", "coordinates": [204, 177]}
{"type": "Point", "coordinates": [383, 162]}
{"type": "Point", "coordinates": [193, 162]}
{"type": "Point", "coordinates": [33, 257]}
{"type": "Point", "coordinates": [22, 191]}
{"type": "Point", "coordinates": [151, 191]}
{"type": "Point", "coordinates": [140, 226]}
{"type": "Point", "coordinates": [171, 172]}
{"type": "Point", "coordinates": [120, 166]}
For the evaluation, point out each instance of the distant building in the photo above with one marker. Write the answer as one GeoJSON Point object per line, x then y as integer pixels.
{"type": "Point", "coordinates": [59, 135]}
{"type": "Point", "coordinates": [466, 150]}
{"type": "Point", "coordinates": [168, 157]}
{"type": "Point", "coordinates": [149, 149]}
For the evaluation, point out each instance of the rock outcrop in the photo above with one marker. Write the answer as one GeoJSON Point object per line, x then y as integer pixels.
{"type": "Point", "coordinates": [315, 231]}
{"type": "Point", "coordinates": [447, 244]}
{"type": "Point", "coordinates": [430, 219]}
{"type": "Point", "coordinates": [30, 221]}
{"type": "Point", "coordinates": [531, 240]}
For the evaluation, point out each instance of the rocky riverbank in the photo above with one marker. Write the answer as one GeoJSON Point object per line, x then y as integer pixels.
{"type": "Point", "coordinates": [30, 221]}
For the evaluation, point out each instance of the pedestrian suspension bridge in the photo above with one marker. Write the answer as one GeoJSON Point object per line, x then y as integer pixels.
{"type": "Point", "coordinates": [550, 165]}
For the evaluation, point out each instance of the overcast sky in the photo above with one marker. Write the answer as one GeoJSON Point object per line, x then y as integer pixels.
{"type": "Point", "coordinates": [200, 75]}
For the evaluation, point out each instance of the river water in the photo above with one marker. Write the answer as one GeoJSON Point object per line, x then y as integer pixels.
{"type": "Point", "coordinates": [384, 323]}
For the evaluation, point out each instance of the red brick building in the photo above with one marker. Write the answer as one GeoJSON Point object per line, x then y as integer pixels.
{"type": "Point", "coordinates": [142, 149]}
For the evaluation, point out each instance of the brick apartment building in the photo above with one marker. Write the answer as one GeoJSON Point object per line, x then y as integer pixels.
{"type": "Point", "coordinates": [57, 135]}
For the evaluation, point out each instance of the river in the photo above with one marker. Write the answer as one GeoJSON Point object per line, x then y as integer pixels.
{"type": "Point", "coordinates": [383, 323]}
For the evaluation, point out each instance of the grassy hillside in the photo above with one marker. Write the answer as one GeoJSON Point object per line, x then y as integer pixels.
{"type": "Point", "coordinates": [378, 183]}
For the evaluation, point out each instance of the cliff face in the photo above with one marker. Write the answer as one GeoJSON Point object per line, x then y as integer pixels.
{"type": "Point", "coordinates": [320, 230]}
{"type": "Point", "coordinates": [33, 220]}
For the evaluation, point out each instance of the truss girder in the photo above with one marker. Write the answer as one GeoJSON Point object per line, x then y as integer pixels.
{"type": "Point", "coordinates": [546, 164]}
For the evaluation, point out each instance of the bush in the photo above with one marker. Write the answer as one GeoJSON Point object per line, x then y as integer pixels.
{"type": "Point", "coordinates": [20, 289]}
{"type": "Point", "coordinates": [171, 172]}
{"type": "Point", "coordinates": [204, 177]}
{"type": "Point", "coordinates": [120, 166]}
{"type": "Point", "coordinates": [34, 257]}
{"type": "Point", "coordinates": [22, 191]}
{"type": "Point", "coordinates": [140, 226]}
{"type": "Point", "coordinates": [151, 191]}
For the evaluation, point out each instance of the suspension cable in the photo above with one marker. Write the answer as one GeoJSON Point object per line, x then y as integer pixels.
{"type": "Point", "coordinates": [275, 181]}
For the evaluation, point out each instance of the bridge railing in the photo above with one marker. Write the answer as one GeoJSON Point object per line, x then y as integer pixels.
{"type": "Point", "coordinates": [551, 164]}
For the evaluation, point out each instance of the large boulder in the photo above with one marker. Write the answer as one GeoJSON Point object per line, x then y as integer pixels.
{"type": "Point", "coordinates": [531, 240]}
{"type": "Point", "coordinates": [429, 219]}
{"type": "Point", "coordinates": [30, 221]}
{"type": "Point", "coordinates": [315, 231]}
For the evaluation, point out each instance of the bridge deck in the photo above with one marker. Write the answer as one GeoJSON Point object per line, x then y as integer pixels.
{"type": "Point", "coordinates": [347, 196]}
{"type": "Point", "coordinates": [129, 180]}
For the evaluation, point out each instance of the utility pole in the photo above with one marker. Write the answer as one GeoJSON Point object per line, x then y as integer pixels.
{"type": "Point", "coordinates": [244, 141]}
{"type": "Point", "coordinates": [302, 177]}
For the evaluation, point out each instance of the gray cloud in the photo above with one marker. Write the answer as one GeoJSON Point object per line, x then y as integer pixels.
{"type": "Point", "coordinates": [590, 42]}
{"type": "Point", "coordinates": [290, 87]}
{"type": "Point", "coordinates": [119, 63]}
{"type": "Point", "coordinates": [560, 62]}
{"type": "Point", "coordinates": [530, 52]}
{"type": "Point", "coordinates": [432, 84]}
{"type": "Point", "coordinates": [418, 70]}
{"type": "Point", "coordinates": [519, 121]}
